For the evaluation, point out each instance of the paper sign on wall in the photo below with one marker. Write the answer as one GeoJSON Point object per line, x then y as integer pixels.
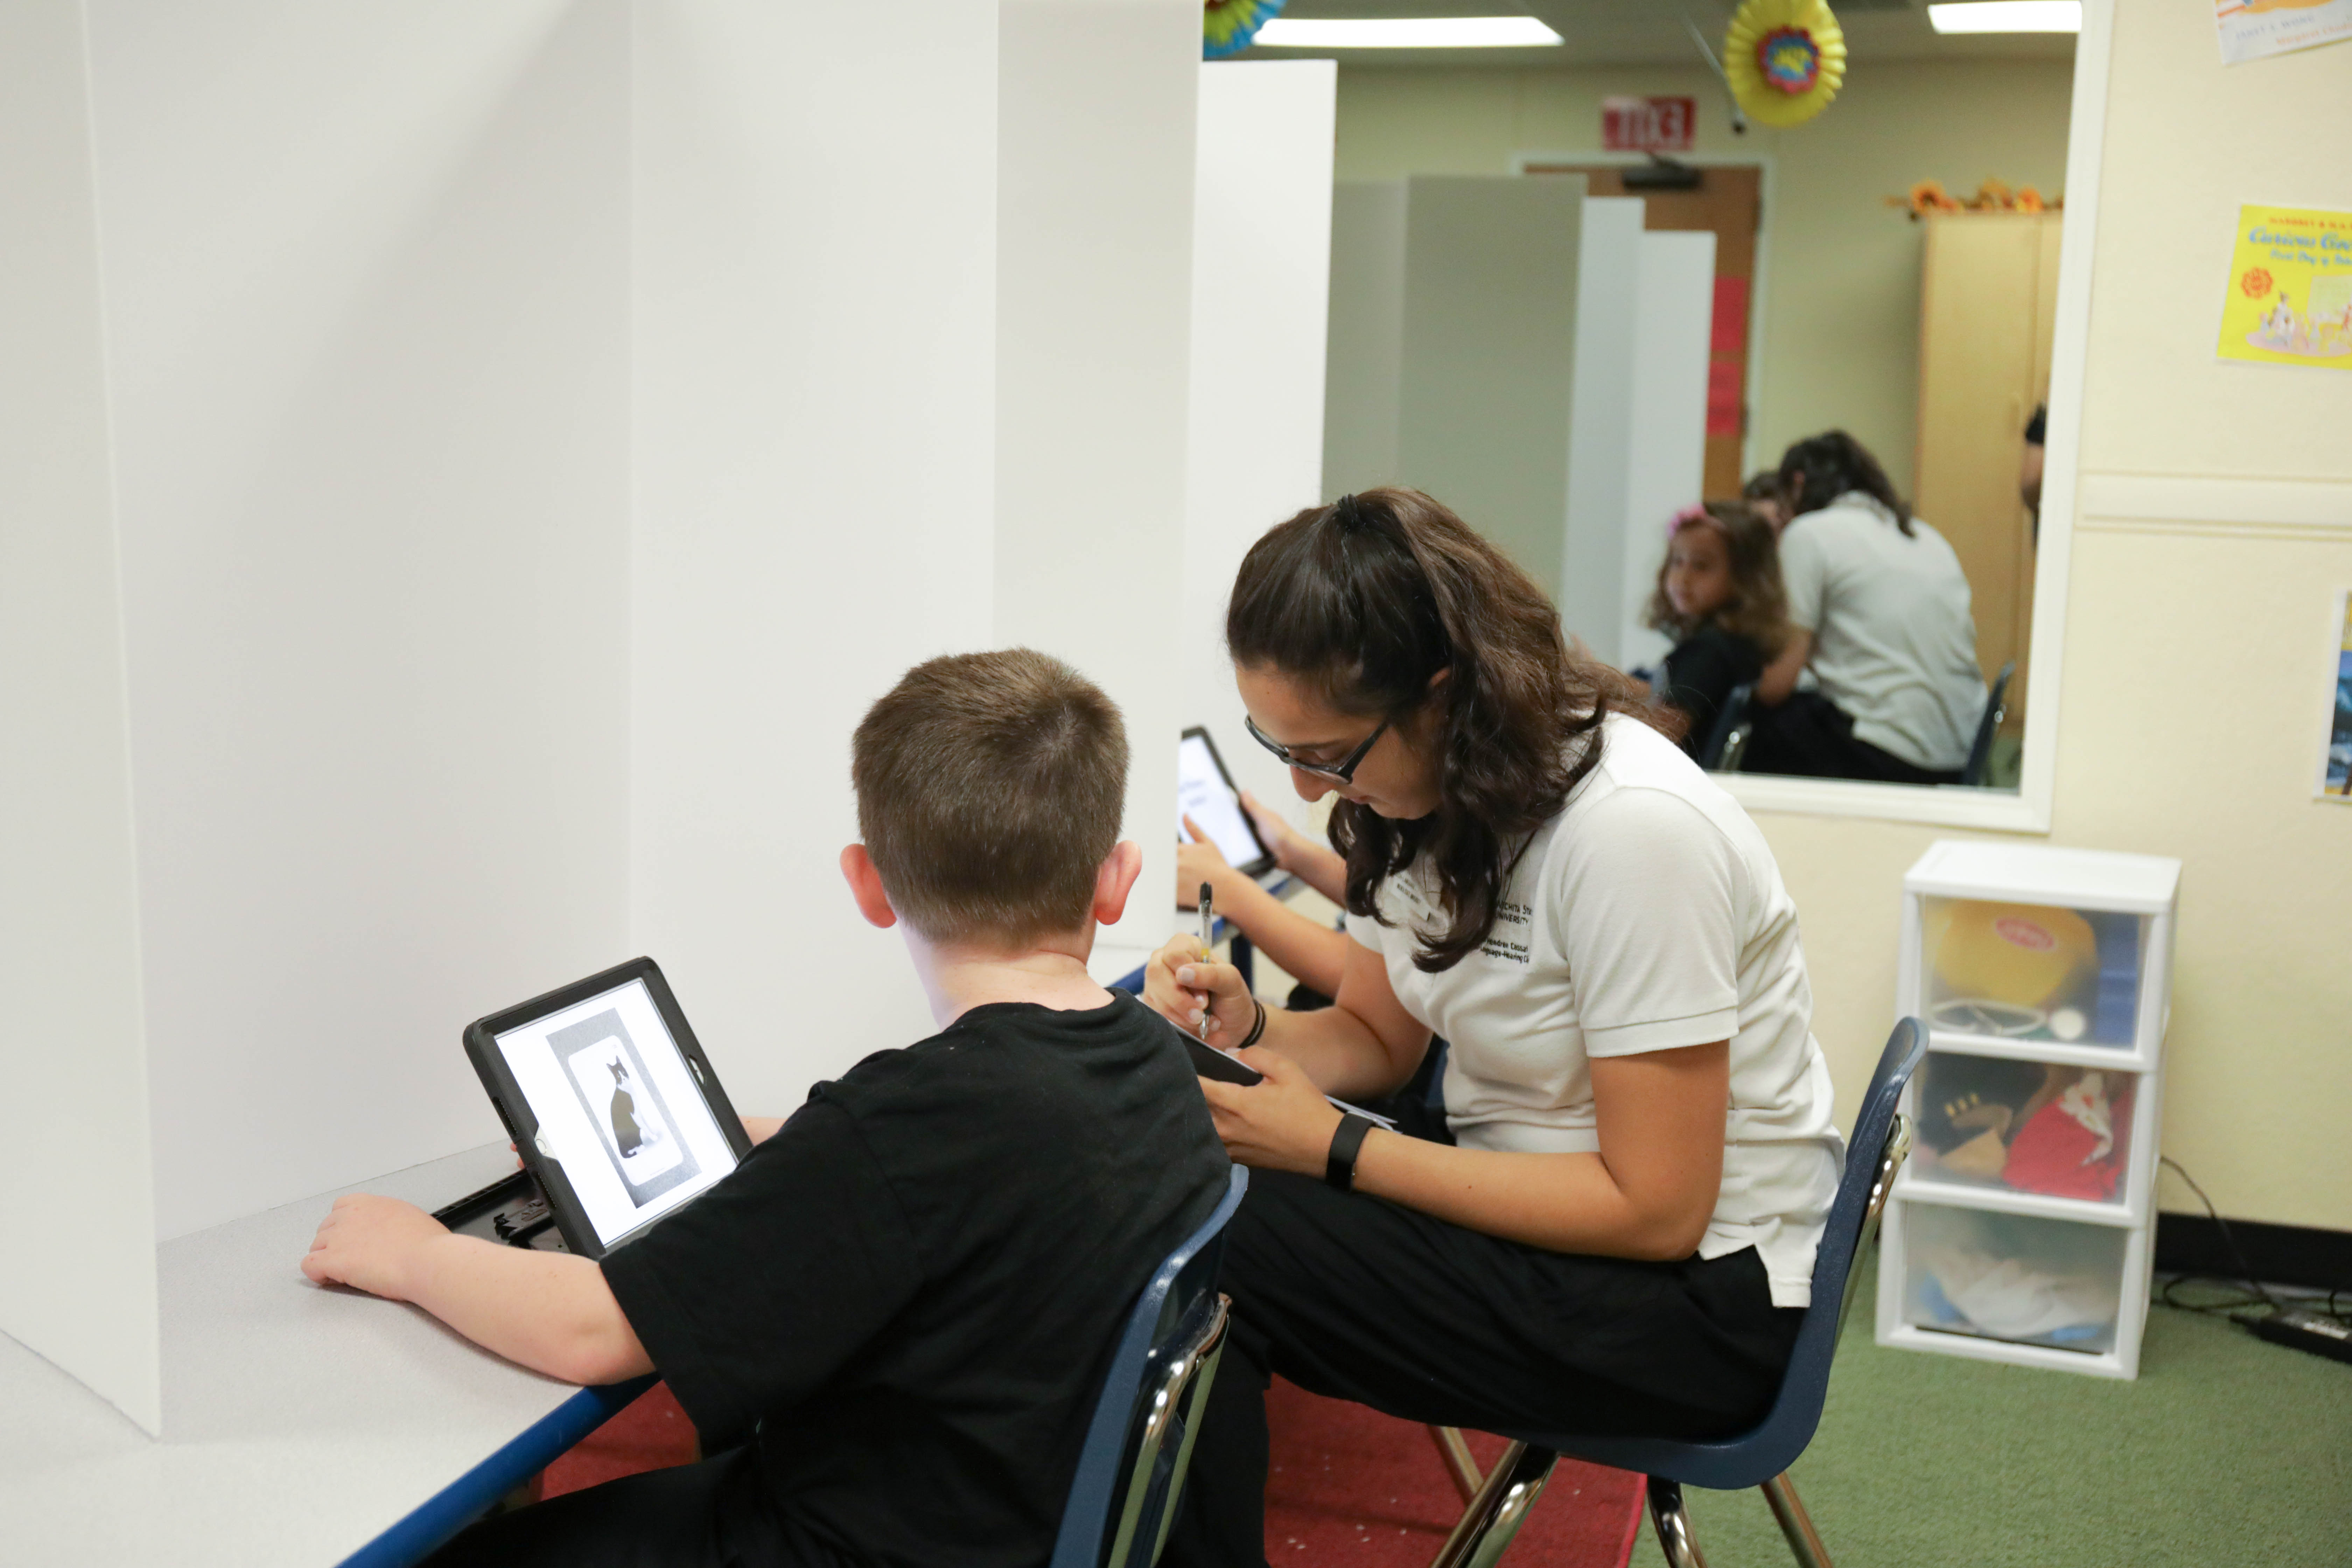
{"type": "Point", "coordinates": [2289, 300]}
{"type": "Point", "coordinates": [2254, 29]}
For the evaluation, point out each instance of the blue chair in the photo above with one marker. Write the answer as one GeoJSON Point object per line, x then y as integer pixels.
{"type": "Point", "coordinates": [1996, 709]}
{"type": "Point", "coordinates": [1140, 1440]}
{"type": "Point", "coordinates": [1882, 1138]}
{"type": "Point", "coordinates": [1726, 738]}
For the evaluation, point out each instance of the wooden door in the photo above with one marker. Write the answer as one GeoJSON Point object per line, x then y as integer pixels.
{"type": "Point", "coordinates": [1729, 202]}
{"type": "Point", "coordinates": [1988, 305]}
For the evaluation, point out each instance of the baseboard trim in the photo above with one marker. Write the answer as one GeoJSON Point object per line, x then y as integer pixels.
{"type": "Point", "coordinates": [2278, 1254]}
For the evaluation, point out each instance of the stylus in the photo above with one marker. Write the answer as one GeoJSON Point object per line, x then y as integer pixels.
{"type": "Point", "coordinates": [1208, 924]}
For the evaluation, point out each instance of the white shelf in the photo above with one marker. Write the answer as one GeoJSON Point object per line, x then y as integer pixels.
{"type": "Point", "coordinates": [1919, 1187]}
{"type": "Point", "coordinates": [1942, 1341]}
{"type": "Point", "coordinates": [2109, 1058]}
{"type": "Point", "coordinates": [2043, 874]}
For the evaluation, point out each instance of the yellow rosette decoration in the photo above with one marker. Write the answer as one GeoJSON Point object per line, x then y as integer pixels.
{"type": "Point", "coordinates": [1784, 59]}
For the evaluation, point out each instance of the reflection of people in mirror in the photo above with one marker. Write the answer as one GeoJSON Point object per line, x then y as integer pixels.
{"type": "Point", "coordinates": [1879, 611]}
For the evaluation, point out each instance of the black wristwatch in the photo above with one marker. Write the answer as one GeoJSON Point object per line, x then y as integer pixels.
{"type": "Point", "coordinates": [1340, 1165]}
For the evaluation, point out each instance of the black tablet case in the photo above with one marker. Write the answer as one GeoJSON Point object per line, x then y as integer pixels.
{"type": "Point", "coordinates": [515, 1207]}
{"type": "Point", "coordinates": [1265, 856]}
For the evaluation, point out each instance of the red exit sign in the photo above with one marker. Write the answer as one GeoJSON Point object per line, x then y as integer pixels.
{"type": "Point", "coordinates": [1647, 124]}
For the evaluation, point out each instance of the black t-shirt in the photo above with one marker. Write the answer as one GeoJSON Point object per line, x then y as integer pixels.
{"type": "Point", "coordinates": [908, 1297]}
{"type": "Point", "coordinates": [1700, 674]}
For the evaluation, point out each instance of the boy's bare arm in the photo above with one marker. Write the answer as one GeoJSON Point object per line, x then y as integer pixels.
{"type": "Point", "coordinates": [549, 1312]}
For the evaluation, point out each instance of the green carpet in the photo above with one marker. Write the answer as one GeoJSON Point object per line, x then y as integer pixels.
{"type": "Point", "coordinates": [2225, 1451]}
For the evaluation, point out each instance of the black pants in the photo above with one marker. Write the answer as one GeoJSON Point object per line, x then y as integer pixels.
{"type": "Point", "coordinates": [1356, 1299]}
{"type": "Point", "coordinates": [708, 1515]}
{"type": "Point", "coordinates": [1812, 736]}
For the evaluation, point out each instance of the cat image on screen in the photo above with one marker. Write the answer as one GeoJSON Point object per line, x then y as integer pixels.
{"type": "Point", "coordinates": [625, 1125]}
{"type": "Point", "coordinates": [632, 1124]}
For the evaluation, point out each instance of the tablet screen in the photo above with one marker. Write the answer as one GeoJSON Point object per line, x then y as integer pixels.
{"type": "Point", "coordinates": [618, 1108]}
{"type": "Point", "coordinates": [1203, 794]}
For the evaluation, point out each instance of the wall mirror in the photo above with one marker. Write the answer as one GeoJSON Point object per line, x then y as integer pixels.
{"type": "Point", "coordinates": [1571, 299]}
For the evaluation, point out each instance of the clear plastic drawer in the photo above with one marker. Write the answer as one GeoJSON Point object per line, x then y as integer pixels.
{"type": "Point", "coordinates": [2010, 1276]}
{"type": "Point", "coordinates": [2060, 1130]}
{"type": "Point", "coordinates": [2032, 971]}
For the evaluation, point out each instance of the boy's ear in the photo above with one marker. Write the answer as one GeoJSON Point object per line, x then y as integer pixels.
{"type": "Point", "coordinates": [866, 887]}
{"type": "Point", "coordinates": [1115, 880]}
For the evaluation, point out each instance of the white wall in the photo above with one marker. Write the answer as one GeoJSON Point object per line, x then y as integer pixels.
{"type": "Point", "coordinates": [366, 290]}
{"type": "Point", "coordinates": [1667, 435]}
{"type": "Point", "coordinates": [1601, 425]}
{"type": "Point", "coordinates": [77, 1211]}
{"type": "Point", "coordinates": [1098, 114]}
{"type": "Point", "coordinates": [812, 339]}
{"type": "Point", "coordinates": [1262, 236]}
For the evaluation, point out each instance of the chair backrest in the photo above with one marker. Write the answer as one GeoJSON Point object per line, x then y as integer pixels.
{"type": "Point", "coordinates": [1882, 1138]}
{"type": "Point", "coordinates": [1718, 735]}
{"type": "Point", "coordinates": [1996, 709]}
{"type": "Point", "coordinates": [1131, 1469]}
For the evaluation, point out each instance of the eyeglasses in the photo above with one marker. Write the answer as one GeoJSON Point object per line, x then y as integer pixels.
{"type": "Point", "coordinates": [1345, 772]}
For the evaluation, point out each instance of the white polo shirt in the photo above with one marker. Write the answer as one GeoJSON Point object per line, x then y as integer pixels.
{"type": "Point", "coordinates": [1895, 641]}
{"type": "Point", "coordinates": [1647, 915]}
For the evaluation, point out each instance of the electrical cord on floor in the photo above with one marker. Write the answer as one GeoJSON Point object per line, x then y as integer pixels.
{"type": "Point", "coordinates": [2305, 1321]}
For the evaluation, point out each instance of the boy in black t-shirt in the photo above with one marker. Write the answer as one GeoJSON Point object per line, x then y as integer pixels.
{"type": "Point", "coordinates": [896, 1315]}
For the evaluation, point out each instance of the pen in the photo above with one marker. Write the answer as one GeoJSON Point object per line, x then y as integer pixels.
{"type": "Point", "coordinates": [1208, 924]}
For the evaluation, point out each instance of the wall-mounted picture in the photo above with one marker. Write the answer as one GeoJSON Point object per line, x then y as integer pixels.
{"type": "Point", "coordinates": [2336, 761]}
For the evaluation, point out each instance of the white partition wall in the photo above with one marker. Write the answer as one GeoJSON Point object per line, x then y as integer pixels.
{"type": "Point", "coordinates": [814, 252]}
{"type": "Point", "coordinates": [1667, 467]}
{"type": "Point", "coordinates": [462, 471]}
{"type": "Point", "coordinates": [1601, 436]}
{"type": "Point", "coordinates": [1454, 352]}
{"type": "Point", "coordinates": [1099, 104]}
{"type": "Point", "coordinates": [73, 1057]}
{"type": "Point", "coordinates": [1487, 382]}
{"type": "Point", "coordinates": [1262, 232]}
{"type": "Point", "coordinates": [366, 295]}
{"type": "Point", "coordinates": [1364, 359]}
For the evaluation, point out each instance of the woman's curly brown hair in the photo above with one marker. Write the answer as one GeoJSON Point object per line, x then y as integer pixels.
{"type": "Point", "coordinates": [1368, 600]}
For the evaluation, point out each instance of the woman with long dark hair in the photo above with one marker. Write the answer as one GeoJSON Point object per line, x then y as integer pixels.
{"type": "Point", "coordinates": [1878, 609]}
{"type": "Point", "coordinates": [1611, 1226]}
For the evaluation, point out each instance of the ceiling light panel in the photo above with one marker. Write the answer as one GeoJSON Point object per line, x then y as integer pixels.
{"type": "Point", "coordinates": [2006, 17]}
{"type": "Point", "coordinates": [1406, 33]}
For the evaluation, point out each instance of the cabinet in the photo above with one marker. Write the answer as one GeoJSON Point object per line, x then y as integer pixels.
{"type": "Point", "coordinates": [2023, 1228]}
{"type": "Point", "coordinates": [1989, 293]}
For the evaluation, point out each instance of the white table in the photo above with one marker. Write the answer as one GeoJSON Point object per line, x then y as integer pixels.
{"type": "Point", "coordinates": [301, 1424]}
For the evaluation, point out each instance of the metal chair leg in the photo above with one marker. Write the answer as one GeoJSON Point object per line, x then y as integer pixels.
{"type": "Point", "coordinates": [1672, 1521]}
{"type": "Point", "coordinates": [1460, 1463]}
{"type": "Point", "coordinates": [1501, 1506]}
{"type": "Point", "coordinates": [1795, 1523]}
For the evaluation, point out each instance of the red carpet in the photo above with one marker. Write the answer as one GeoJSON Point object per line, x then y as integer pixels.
{"type": "Point", "coordinates": [1351, 1486]}
{"type": "Point", "coordinates": [1348, 1486]}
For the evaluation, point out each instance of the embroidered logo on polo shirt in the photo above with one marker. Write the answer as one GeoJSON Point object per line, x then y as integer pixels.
{"type": "Point", "coordinates": [1513, 947]}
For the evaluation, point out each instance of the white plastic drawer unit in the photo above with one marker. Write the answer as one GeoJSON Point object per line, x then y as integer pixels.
{"type": "Point", "coordinates": [2034, 975]}
{"type": "Point", "coordinates": [2021, 1228]}
{"type": "Point", "coordinates": [2013, 1277]}
{"type": "Point", "coordinates": [2028, 1137]}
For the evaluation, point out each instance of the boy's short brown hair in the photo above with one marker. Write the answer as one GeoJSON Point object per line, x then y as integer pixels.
{"type": "Point", "coordinates": [990, 788]}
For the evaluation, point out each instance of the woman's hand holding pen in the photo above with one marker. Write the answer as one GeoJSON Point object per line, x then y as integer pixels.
{"type": "Point", "coordinates": [1180, 984]}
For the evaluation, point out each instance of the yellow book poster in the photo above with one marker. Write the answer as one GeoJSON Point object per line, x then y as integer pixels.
{"type": "Point", "coordinates": [2290, 295]}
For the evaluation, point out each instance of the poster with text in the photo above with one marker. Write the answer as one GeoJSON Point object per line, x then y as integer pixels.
{"type": "Point", "coordinates": [2289, 300]}
{"type": "Point", "coordinates": [2335, 759]}
{"type": "Point", "coordinates": [2256, 29]}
